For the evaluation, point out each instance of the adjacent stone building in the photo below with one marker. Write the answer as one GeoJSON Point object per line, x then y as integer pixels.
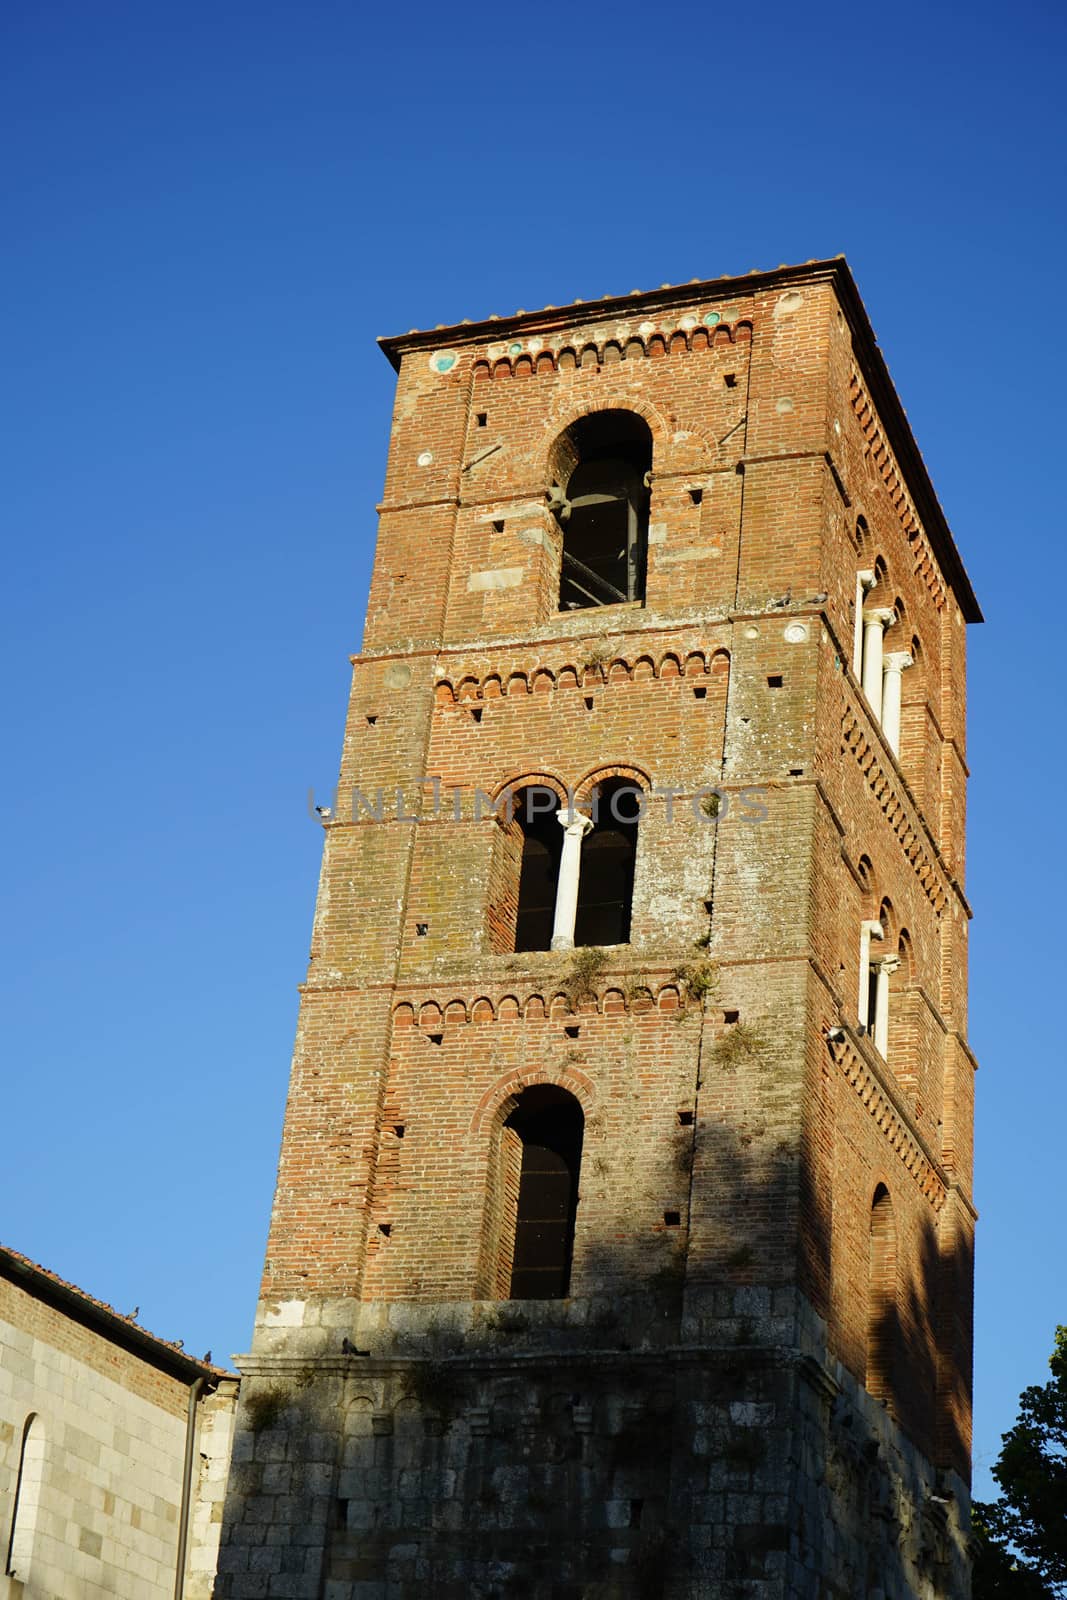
{"type": "Point", "coordinates": [114, 1450]}
{"type": "Point", "coordinates": [622, 1242]}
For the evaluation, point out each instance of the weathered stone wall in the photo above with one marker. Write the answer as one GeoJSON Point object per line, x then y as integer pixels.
{"type": "Point", "coordinates": [102, 1521]}
{"type": "Point", "coordinates": [524, 1451]}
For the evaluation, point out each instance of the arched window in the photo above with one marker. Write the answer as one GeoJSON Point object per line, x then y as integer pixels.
{"type": "Point", "coordinates": [609, 851]}
{"type": "Point", "coordinates": [601, 500]}
{"type": "Point", "coordinates": [28, 1486]}
{"type": "Point", "coordinates": [546, 1126]}
{"type": "Point", "coordinates": [882, 1297]}
{"type": "Point", "coordinates": [537, 816]}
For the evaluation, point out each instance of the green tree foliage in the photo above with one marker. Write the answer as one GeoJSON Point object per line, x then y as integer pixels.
{"type": "Point", "coordinates": [1020, 1547]}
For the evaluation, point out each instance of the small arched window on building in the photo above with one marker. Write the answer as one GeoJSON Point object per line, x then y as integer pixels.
{"type": "Point", "coordinates": [609, 853]}
{"type": "Point", "coordinates": [543, 1153]}
{"type": "Point", "coordinates": [882, 1297]}
{"type": "Point", "coordinates": [28, 1485]}
{"type": "Point", "coordinates": [536, 814]}
{"type": "Point", "coordinates": [602, 466]}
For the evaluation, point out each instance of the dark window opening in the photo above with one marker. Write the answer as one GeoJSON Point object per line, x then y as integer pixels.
{"type": "Point", "coordinates": [882, 1298]}
{"type": "Point", "coordinates": [536, 810]}
{"type": "Point", "coordinates": [549, 1124]}
{"type": "Point", "coordinates": [685, 1119]}
{"type": "Point", "coordinates": [696, 496]}
{"type": "Point", "coordinates": [602, 508]}
{"type": "Point", "coordinates": [774, 681]}
{"type": "Point", "coordinates": [483, 419]}
{"type": "Point", "coordinates": [672, 1219]}
{"type": "Point", "coordinates": [609, 853]}
{"type": "Point", "coordinates": [872, 998]}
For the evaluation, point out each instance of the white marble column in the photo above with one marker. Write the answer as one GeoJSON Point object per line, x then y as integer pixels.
{"type": "Point", "coordinates": [895, 663]}
{"type": "Point", "coordinates": [575, 827]}
{"type": "Point", "coordinates": [886, 967]}
{"type": "Point", "coordinates": [864, 581]}
{"type": "Point", "coordinates": [874, 625]}
{"type": "Point", "coordinates": [868, 931]}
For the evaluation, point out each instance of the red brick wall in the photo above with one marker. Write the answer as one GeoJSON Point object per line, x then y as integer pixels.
{"type": "Point", "coordinates": [470, 675]}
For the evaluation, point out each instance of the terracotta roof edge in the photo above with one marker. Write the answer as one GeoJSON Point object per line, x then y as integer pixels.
{"type": "Point", "coordinates": [104, 1319]}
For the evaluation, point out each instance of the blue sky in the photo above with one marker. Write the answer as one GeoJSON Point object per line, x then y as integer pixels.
{"type": "Point", "coordinates": [210, 213]}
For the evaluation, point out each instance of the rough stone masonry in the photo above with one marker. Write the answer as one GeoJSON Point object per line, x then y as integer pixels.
{"type": "Point", "coordinates": [622, 1241]}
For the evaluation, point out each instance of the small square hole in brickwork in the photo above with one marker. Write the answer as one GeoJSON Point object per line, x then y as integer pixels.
{"type": "Point", "coordinates": [421, 929]}
{"type": "Point", "coordinates": [672, 1219]}
{"type": "Point", "coordinates": [435, 1038]}
{"type": "Point", "coordinates": [372, 720]}
{"type": "Point", "coordinates": [730, 1017]}
{"type": "Point", "coordinates": [700, 692]}
{"type": "Point", "coordinates": [476, 713]}
{"type": "Point", "coordinates": [708, 905]}
{"type": "Point", "coordinates": [636, 1508]}
{"type": "Point", "coordinates": [589, 702]}
{"type": "Point", "coordinates": [483, 419]}
{"type": "Point", "coordinates": [685, 1119]}
{"type": "Point", "coordinates": [774, 680]}
{"type": "Point", "coordinates": [572, 1030]}
{"type": "Point", "coordinates": [696, 496]}
{"type": "Point", "coordinates": [730, 379]}
{"type": "Point", "coordinates": [385, 1229]}
{"type": "Point", "coordinates": [499, 525]}
{"type": "Point", "coordinates": [398, 1129]}
{"type": "Point", "coordinates": [340, 1513]}
{"type": "Point", "coordinates": [796, 772]}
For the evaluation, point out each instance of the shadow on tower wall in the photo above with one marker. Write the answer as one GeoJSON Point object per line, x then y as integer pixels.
{"type": "Point", "coordinates": [679, 1428]}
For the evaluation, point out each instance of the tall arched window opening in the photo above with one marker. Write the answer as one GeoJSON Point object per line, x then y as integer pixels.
{"type": "Point", "coordinates": [603, 464]}
{"type": "Point", "coordinates": [609, 852]}
{"type": "Point", "coordinates": [28, 1487]}
{"type": "Point", "coordinates": [882, 1297]}
{"type": "Point", "coordinates": [536, 814]}
{"type": "Point", "coordinates": [544, 1133]}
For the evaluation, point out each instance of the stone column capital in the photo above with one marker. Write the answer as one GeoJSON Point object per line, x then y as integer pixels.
{"type": "Point", "coordinates": [879, 616]}
{"type": "Point", "coordinates": [898, 661]}
{"type": "Point", "coordinates": [574, 822]}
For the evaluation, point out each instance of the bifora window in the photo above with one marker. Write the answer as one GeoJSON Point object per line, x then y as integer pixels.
{"type": "Point", "coordinates": [601, 500]}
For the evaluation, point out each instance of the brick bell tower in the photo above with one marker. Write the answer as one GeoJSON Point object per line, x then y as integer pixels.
{"type": "Point", "coordinates": [623, 1232]}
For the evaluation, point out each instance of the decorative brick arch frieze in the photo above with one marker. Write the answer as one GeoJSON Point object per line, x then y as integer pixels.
{"type": "Point", "coordinates": [886, 466]}
{"type": "Point", "coordinates": [701, 661]}
{"type": "Point", "coordinates": [498, 1102]}
{"type": "Point", "coordinates": [433, 1015]}
{"type": "Point", "coordinates": [883, 786]}
{"type": "Point", "coordinates": [860, 1077]}
{"type": "Point", "coordinates": [671, 339]}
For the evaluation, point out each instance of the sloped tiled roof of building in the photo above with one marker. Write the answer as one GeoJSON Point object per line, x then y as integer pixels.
{"type": "Point", "coordinates": [85, 1308]}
